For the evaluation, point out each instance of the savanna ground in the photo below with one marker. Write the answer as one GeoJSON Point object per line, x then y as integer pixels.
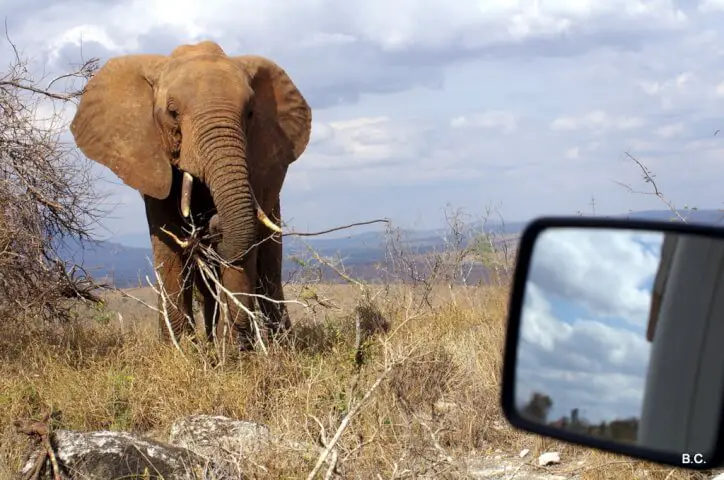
{"type": "Point", "coordinates": [428, 384]}
{"type": "Point", "coordinates": [439, 398]}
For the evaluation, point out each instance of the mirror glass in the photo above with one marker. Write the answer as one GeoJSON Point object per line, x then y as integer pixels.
{"type": "Point", "coordinates": [621, 337]}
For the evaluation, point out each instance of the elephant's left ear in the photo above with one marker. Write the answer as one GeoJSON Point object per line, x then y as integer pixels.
{"type": "Point", "coordinates": [279, 97]}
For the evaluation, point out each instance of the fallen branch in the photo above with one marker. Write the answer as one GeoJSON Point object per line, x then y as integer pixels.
{"type": "Point", "coordinates": [350, 415]}
{"type": "Point", "coordinates": [41, 430]}
{"type": "Point", "coordinates": [332, 469]}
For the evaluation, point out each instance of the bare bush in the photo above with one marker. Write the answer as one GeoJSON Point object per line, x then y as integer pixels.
{"type": "Point", "coordinates": [471, 255]}
{"type": "Point", "coordinates": [46, 195]}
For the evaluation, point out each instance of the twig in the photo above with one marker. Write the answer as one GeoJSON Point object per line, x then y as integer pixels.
{"type": "Point", "coordinates": [132, 297]}
{"type": "Point", "coordinates": [332, 469]}
{"type": "Point", "coordinates": [343, 227]}
{"type": "Point", "coordinates": [348, 418]}
{"type": "Point", "coordinates": [435, 443]}
{"type": "Point", "coordinates": [181, 243]}
{"type": "Point", "coordinates": [206, 271]}
{"type": "Point", "coordinates": [336, 270]}
{"type": "Point", "coordinates": [161, 291]}
{"type": "Point", "coordinates": [649, 178]}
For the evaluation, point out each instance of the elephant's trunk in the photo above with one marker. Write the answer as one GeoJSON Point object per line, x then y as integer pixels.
{"type": "Point", "coordinates": [227, 176]}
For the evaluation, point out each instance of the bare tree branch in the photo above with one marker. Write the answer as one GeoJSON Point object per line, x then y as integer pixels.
{"type": "Point", "coordinates": [47, 198]}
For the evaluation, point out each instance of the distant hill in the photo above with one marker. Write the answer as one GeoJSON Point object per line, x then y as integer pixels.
{"type": "Point", "coordinates": [710, 217]}
{"type": "Point", "coordinates": [125, 261]}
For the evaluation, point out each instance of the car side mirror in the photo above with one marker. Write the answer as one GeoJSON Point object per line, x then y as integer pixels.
{"type": "Point", "coordinates": [616, 338]}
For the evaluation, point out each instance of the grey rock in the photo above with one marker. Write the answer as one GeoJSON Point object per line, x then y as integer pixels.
{"type": "Point", "coordinates": [207, 435]}
{"type": "Point", "coordinates": [215, 436]}
{"type": "Point", "coordinates": [106, 454]}
{"type": "Point", "coordinates": [200, 447]}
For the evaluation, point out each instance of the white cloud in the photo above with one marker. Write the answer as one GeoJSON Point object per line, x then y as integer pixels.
{"type": "Point", "coordinates": [637, 144]}
{"type": "Point", "coordinates": [506, 122]}
{"type": "Point", "coordinates": [573, 152]}
{"type": "Point", "coordinates": [575, 345]}
{"type": "Point", "coordinates": [671, 130]}
{"type": "Point", "coordinates": [710, 6]}
{"type": "Point", "coordinates": [598, 121]}
{"type": "Point", "coordinates": [720, 89]}
{"type": "Point", "coordinates": [605, 272]}
{"type": "Point", "coordinates": [524, 104]}
{"type": "Point", "coordinates": [467, 25]}
{"type": "Point", "coordinates": [364, 142]}
{"type": "Point", "coordinates": [677, 82]}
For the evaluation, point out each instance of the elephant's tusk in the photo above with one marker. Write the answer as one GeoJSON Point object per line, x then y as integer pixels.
{"type": "Point", "coordinates": [186, 185]}
{"type": "Point", "coordinates": [262, 216]}
{"type": "Point", "coordinates": [266, 221]}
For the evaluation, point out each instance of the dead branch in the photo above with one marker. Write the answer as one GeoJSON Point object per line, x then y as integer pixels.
{"type": "Point", "coordinates": [336, 270]}
{"type": "Point", "coordinates": [48, 199]}
{"type": "Point", "coordinates": [336, 229]}
{"type": "Point", "coordinates": [648, 177]}
{"type": "Point", "coordinates": [40, 430]}
{"type": "Point", "coordinates": [163, 310]}
{"type": "Point", "coordinates": [348, 418]}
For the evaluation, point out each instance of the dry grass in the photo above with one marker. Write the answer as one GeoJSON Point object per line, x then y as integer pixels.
{"type": "Point", "coordinates": [103, 373]}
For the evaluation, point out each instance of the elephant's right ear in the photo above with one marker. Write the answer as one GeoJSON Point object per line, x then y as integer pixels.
{"type": "Point", "coordinates": [114, 123]}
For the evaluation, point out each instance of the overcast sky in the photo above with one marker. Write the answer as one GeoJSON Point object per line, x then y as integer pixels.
{"type": "Point", "coordinates": [584, 322]}
{"type": "Point", "coordinates": [527, 105]}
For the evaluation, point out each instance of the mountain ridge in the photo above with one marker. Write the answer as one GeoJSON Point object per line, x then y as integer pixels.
{"type": "Point", "coordinates": [127, 265]}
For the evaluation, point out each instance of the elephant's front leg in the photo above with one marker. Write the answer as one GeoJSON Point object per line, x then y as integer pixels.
{"type": "Point", "coordinates": [175, 297]}
{"type": "Point", "coordinates": [171, 263]}
{"type": "Point", "coordinates": [269, 284]}
{"type": "Point", "coordinates": [239, 281]}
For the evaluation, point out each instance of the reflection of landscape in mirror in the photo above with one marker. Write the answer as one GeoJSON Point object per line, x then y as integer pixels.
{"type": "Point", "coordinates": [583, 353]}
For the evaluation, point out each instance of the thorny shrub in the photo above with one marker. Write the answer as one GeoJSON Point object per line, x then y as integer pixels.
{"type": "Point", "coordinates": [46, 198]}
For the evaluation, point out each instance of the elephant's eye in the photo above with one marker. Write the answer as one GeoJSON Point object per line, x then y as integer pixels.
{"type": "Point", "coordinates": [249, 113]}
{"type": "Point", "coordinates": [172, 108]}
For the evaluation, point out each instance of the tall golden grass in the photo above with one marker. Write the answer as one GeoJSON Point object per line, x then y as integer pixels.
{"type": "Point", "coordinates": [439, 402]}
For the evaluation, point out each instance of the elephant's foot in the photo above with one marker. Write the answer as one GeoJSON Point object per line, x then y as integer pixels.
{"type": "Point", "coordinates": [272, 306]}
{"type": "Point", "coordinates": [238, 337]}
{"type": "Point", "coordinates": [175, 316]}
{"type": "Point", "coordinates": [172, 322]}
{"type": "Point", "coordinates": [244, 340]}
{"type": "Point", "coordinates": [279, 321]}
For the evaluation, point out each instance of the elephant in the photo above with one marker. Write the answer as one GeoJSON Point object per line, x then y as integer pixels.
{"type": "Point", "coordinates": [205, 138]}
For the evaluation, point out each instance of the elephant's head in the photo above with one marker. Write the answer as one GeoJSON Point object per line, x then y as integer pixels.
{"type": "Point", "coordinates": [212, 116]}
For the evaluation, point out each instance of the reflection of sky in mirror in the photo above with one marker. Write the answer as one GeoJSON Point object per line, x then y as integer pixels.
{"type": "Point", "coordinates": [584, 321]}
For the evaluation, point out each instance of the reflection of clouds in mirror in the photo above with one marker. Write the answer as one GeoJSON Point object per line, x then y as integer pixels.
{"type": "Point", "coordinates": [606, 273]}
{"type": "Point", "coordinates": [583, 322]}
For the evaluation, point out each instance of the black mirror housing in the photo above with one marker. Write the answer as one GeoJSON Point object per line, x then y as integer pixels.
{"type": "Point", "coordinates": [615, 338]}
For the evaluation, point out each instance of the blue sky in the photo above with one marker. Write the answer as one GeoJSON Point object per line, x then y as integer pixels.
{"type": "Point", "coordinates": [523, 105]}
{"type": "Point", "coordinates": [584, 321]}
